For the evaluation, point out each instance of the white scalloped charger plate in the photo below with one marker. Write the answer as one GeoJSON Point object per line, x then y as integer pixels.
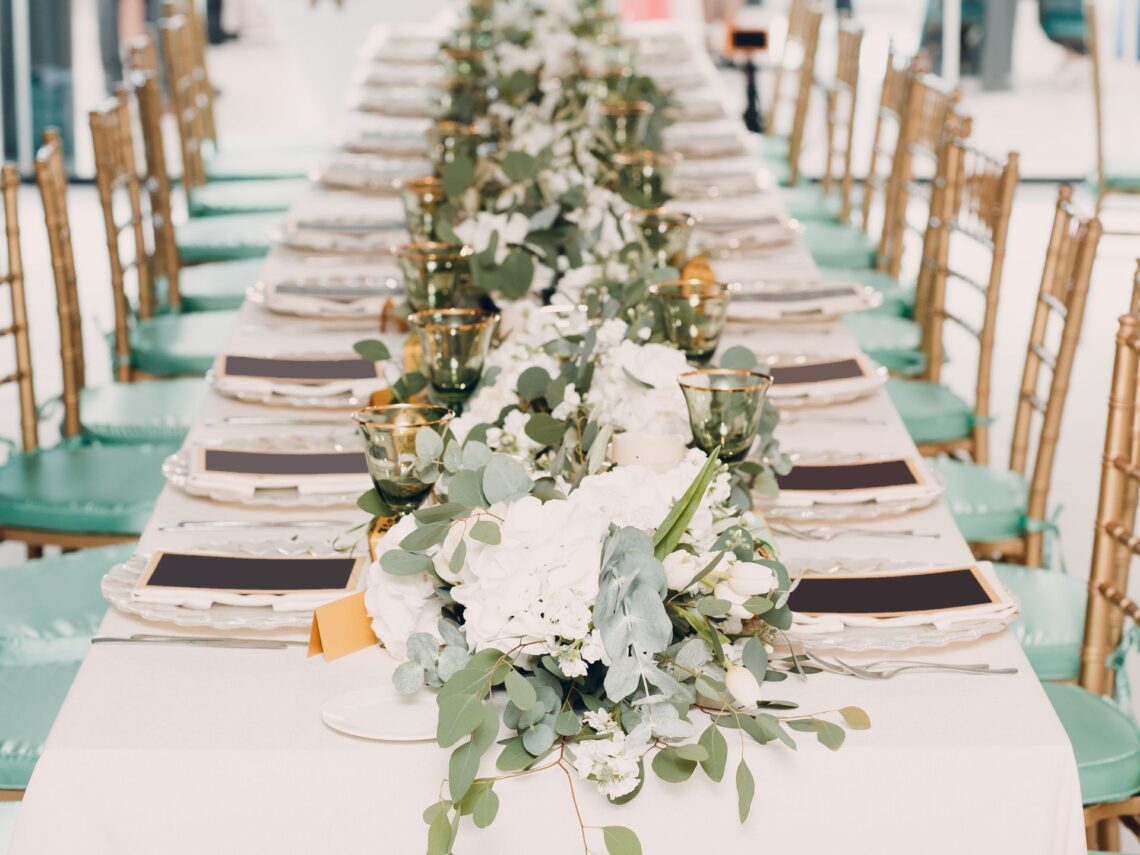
{"type": "Point", "coordinates": [176, 470]}
{"type": "Point", "coordinates": [867, 296]}
{"type": "Point", "coordinates": [279, 399]}
{"type": "Point", "coordinates": [370, 307]}
{"type": "Point", "coordinates": [122, 578]}
{"type": "Point", "coordinates": [821, 396]}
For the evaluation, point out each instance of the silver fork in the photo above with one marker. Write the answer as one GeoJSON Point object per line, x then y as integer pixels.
{"type": "Point", "coordinates": [828, 533]}
{"type": "Point", "coordinates": [887, 669]}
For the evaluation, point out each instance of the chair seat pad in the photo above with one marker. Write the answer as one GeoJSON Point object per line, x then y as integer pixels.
{"type": "Point", "coordinates": [1106, 743]}
{"type": "Point", "coordinates": [930, 411]}
{"type": "Point", "coordinates": [839, 245]}
{"type": "Point", "coordinates": [219, 198]}
{"type": "Point", "coordinates": [237, 164]}
{"type": "Point", "coordinates": [86, 489]}
{"type": "Point", "coordinates": [1121, 173]}
{"type": "Point", "coordinates": [775, 147]}
{"type": "Point", "coordinates": [180, 344]}
{"type": "Point", "coordinates": [898, 299]}
{"type": "Point", "coordinates": [808, 202]}
{"type": "Point", "coordinates": [30, 698]}
{"type": "Point", "coordinates": [987, 504]}
{"type": "Point", "coordinates": [1051, 625]}
{"type": "Point", "coordinates": [50, 607]}
{"type": "Point", "coordinates": [217, 286]}
{"type": "Point", "coordinates": [148, 411]}
{"type": "Point", "coordinates": [890, 340]}
{"type": "Point", "coordinates": [225, 238]}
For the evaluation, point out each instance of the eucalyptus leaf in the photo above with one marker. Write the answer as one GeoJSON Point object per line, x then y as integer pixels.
{"type": "Point", "coordinates": [620, 840]}
{"type": "Point", "coordinates": [401, 563]}
{"type": "Point", "coordinates": [716, 747]}
{"type": "Point", "coordinates": [544, 429]}
{"type": "Point", "coordinates": [485, 807]}
{"type": "Point", "coordinates": [372, 350]}
{"type": "Point", "coordinates": [521, 692]}
{"type": "Point", "coordinates": [429, 444]}
{"type": "Point", "coordinates": [739, 357]}
{"type": "Point", "coordinates": [855, 718]}
{"type": "Point", "coordinates": [567, 724]}
{"type": "Point", "coordinates": [462, 769]}
{"type": "Point", "coordinates": [408, 678]}
{"type": "Point", "coordinates": [829, 734]}
{"type": "Point", "coordinates": [459, 714]}
{"type": "Point", "coordinates": [519, 166]}
{"type": "Point", "coordinates": [439, 513]}
{"type": "Point", "coordinates": [745, 790]}
{"type": "Point", "coordinates": [452, 457]}
{"type": "Point", "coordinates": [466, 488]}
{"type": "Point", "coordinates": [754, 657]}
{"type": "Point", "coordinates": [669, 766]}
{"type": "Point", "coordinates": [532, 383]}
{"type": "Point", "coordinates": [426, 536]}
{"type": "Point", "coordinates": [539, 738]}
{"type": "Point", "coordinates": [439, 834]}
{"type": "Point", "coordinates": [487, 531]}
{"type": "Point", "coordinates": [505, 479]}
{"type": "Point", "coordinates": [458, 176]}
{"type": "Point", "coordinates": [475, 454]}
{"type": "Point", "coordinates": [423, 648]}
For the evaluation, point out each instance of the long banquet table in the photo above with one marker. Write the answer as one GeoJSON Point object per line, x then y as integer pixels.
{"type": "Point", "coordinates": [188, 750]}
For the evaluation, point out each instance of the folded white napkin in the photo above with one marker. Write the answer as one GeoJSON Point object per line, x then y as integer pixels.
{"type": "Point", "coordinates": [299, 601]}
{"type": "Point", "coordinates": [368, 171]}
{"type": "Point", "coordinates": [816, 302]}
{"type": "Point", "coordinates": [306, 299]}
{"type": "Point", "coordinates": [1007, 608]}
{"type": "Point", "coordinates": [330, 389]}
{"type": "Point", "coordinates": [827, 388]}
{"type": "Point", "coordinates": [349, 241]}
{"type": "Point", "coordinates": [307, 485]}
{"type": "Point", "coordinates": [807, 498]}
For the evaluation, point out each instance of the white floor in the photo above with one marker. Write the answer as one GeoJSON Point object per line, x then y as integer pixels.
{"type": "Point", "coordinates": [266, 80]}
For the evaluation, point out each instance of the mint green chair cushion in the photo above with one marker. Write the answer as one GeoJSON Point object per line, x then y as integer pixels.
{"type": "Point", "coordinates": [1106, 743]}
{"type": "Point", "coordinates": [236, 164]}
{"type": "Point", "coordinates": [30, 698]}
{"type": "Point", "coordinates": [889, 340]}
{"type": "Point", "coordinates": [987, 504]}
{"type": "Point", "coordinates": [898, 299]}
{"type": "Point", "coordinates": [86, 489]}
{"type": "Point", "coordinates": [774, 147]}
{"type": "Point", "coordinates": [808, 202]}
{"type": "Point", "coordinates": [180, 344]}
{"type": "Point", "coordinates": [930, 411]}
{"type": "Point", "coordinates": [50, 607]}
{"type": "Point", "coordinates": [1122, 173]}
{"type": "Point", "coordinates": [1051, 625]}
{"type": "Point", "coordinates": [147, 411]}
{"type": "Point", "coordinates": [219, 285]}
{"type": "Point", "coordinates": [224, 238]}
{"type": "Point", "coordinates": [218, 198]}
{"type": "Point", "coordinates": [840, 245]}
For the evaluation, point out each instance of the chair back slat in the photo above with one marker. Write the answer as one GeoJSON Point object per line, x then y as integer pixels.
{"type": "Point", "coordinates": [842, 96]}
{"type": "Point", "coordinates": [12, 276]}
{"type": "Point", "coordinates": [811, 21]}
{"type": "Point", "coordinates": [1098, 95]}
{"type": "Point", "coordinates": [51, 176]}
{"type": "Point", "coordinates": [117, 180]}
{"type": "Point", "coordinates": [976, 201]}
{"type": "Point", "coordinates": [196, 30]}
{"type": "Point", "coordinates": [184, 95]}
{"type": "Point", "coordinates": [157, 178]}
{"type": "Point", "coordinates": [1062, 295]}
{"type": "Point", "coordinates": [1114, 539]}
{"type": "Point", "coordinates": [888, 127]}
{"type": "Point", "coordinates": [139, 54]}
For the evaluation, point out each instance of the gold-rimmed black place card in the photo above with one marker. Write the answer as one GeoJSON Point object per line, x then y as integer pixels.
{"type": "Point", "coordinates": [251, 574]}
{"type": "Point", "coordinates": [855, 475]}
{"type": "Point", "coordinates": [236, 461]}
{"type": "Point", "coordinates": [818, 372]}
{"type": "Point", "coordinates": [299, 369]}
{"type": "Point", "coordinates": [805, 295]}
{"type": "Point", "coordinates": [883, 595]}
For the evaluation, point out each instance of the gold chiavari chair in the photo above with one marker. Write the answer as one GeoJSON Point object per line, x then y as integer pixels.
{"type": "Point", "coordinates": [968, 227]}
{"type": "Point", "coordinates": [1112, 175]}
{"type": "Point", "coordinates": [1004, 513]}
{"type": "Point", "coordinates": [782, 153]}
{"type": "Point", "coordinates": [148, 341]}
{"type": "Point", "coordinates": [196, 60]}
{"type": "Point", "coordinates": [204, 287]}
{"type": "Point", "coordinates": [17, 327]}
{"type": "Point", "coordinates": [830, 201]}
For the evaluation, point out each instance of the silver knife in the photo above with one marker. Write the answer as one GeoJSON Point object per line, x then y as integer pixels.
{"type": "Point", "coordinates": [192, 525]}
{"type": "Point", "coordinates": [276, 420]}
{"type": "Point", "coordinates": [242, 643]}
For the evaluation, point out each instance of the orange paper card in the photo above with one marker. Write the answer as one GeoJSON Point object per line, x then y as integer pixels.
{"type": "Point", "coordinates": [341, 627]}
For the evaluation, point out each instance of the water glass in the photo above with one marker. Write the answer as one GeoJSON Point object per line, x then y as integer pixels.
{"type": "Point", "coordinates": [666, 233]}
{"type": "Point", "coordinates": [626, 123]}
{"type": "Point", "coordinates": [454, 344]}
{"type": "Point", "coordinates": [422, 199]}
{"type": "Point", "coordinates": [435, 274]}
{"type": "Point", "coordinates": [390, 447]}
{"type": "Point", "coordinates": [693, 313]}
{"type": "Point", "coordinates": [725, 405]}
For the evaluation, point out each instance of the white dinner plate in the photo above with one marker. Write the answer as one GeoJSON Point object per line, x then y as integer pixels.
{"type": "Point", "coordinates": [308, 301]}
{"type": "Point", "coordinates": [381, 713]}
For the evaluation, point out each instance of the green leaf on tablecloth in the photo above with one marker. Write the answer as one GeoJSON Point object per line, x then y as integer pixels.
{"type": "Point", "coordinates": [466, 488]}
{"type": "Point", "coordinates": [745, 790]}
{"type": "Point", "coordinates": [429, 445]}
{"type": "Point", "coordinates": [458, 716]}
{"type": "Point", "coordinates": [801, 725]}
{"type": "Point", "coordinates": [505, 479]}
{"type": "Point", "coordinates": [521, 692]}
{"type": "Point", "coordinates": [855, 718]}
{"type": "Point", "coordinates": [829, 734]}
{"type": "Point", "coordinates": [544, 429]}
{"type": "Point", "coordinates": [484, 807]}
{"type": "Point", "coordinates": [538, 738]}
{"type": "Point", "coordinates": [408, 678]}
{"type": "Point", "coordinates": [514, 756]}
{"type": "Point", "coordinates": [487, 531]}
{"type": "Point", "coordinates": [754, 657]}
{"type": "Point", "coordinates": [458, 175]}
{"type": "Point", "coordinates": [462, 769]}
{"type": "Point", "coordinates": [401, 563]}
{"type": "Point", "coordinates": [693, 751]}
{"type": "Point", "coordinates": [716, 746]}
{"type": "Point", "coordinates": [621, 840]}
{"type": "Point", "coordinates": [567, 724]}
{"type": "Point", "coordinates": [433, 810]}
{"type": "Point", "coordinates": [439, 834]}
{"type": "Point", "coordinates": [519, 166]}
{"type": "Point", "coordinates": [372, 350]}
{"type": "Point", "coordinates": [425, 536]}
{"type": "Point", "coordinates": [739, 357]}
{"type": "Point", "coordinates": [670, 766]}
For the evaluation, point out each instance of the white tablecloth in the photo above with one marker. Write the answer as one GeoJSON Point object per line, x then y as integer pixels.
{"type": "Point", "coordinates": [188, 750]}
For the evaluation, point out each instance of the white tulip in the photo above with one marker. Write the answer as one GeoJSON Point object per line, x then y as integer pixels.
{"type": "Point", "coordinates": [751, 579]}
{"type": "Point", "coordinates": [743, 686]}
{"type": "Point", "coordinates": [724, 591]}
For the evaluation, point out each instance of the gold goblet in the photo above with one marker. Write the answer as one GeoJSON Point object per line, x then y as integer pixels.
{"type": "Point", "coordinates": [422, 198]}
{"type": "Point", "coordinates": [449, 140]}
{"type": "Point", "coordinates": [455, 344]}
{"type": "Point", "coordinates": [725, 405]}
{"type": "Point", "coordinates": [434, 273]}
{"type": "Point", "coordinates": [693, 313]}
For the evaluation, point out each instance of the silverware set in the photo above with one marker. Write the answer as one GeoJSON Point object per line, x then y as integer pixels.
{"type": "Point", "coordinates": [207, 525]}
{"type": "Point", "coordinates": [888, 669]}
{"type": "Point", "coordinates": [201, 641]}
{"type": "Point", "coordinates": [827, 532]}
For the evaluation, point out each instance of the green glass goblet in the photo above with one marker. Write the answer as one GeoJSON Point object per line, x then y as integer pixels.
{"type": "Point", "coordinates": [725, 405]}
{"type": "Point", "coordinates": [450, 140]}
{"type": "Point", "coordinates": [390, 447]}
{"type": "Point", "coordinates": [693, 312]}
{"type": "Point", "coordinates": [422, 199]}
{"type": "Point", "coordinates": [646, 177]}
{"type": "Point", "coordinates": [455, 344]}
{"type": "Point", "coordinates": [435, 274]}
{"type": "Point", "coordinates": [626, 123]}
{"type": "Point", "coordinates": [666, 233]}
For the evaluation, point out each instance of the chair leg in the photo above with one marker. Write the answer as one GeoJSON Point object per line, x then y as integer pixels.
{"type": "Point", "coordinates": [1110, 835]}
{"type": "Point", "coordinates": [34, 551]}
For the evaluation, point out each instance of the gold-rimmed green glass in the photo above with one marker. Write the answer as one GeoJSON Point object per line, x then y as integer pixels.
{"type": "Point", "coordinates": [422, 199]}
{"type": "Point", "coordinates": [449, 140]}
{"type": "Point", "coordinates": [466, 63]}
{"type": "Point", "coordinates": [693, 313]}
{"type": "Point", "coordinates": [626, 123]}
{"type": "Point", "coordinates": [646, 177]}
{"type": "Point", "coordinates": [666, 233]}
{"type": "Point", "coordinates": [435, 274]}
{"type": "Point", "coordinates": [390, 448]}
{"type": "Point", "coordinates": [455, 344]}
{"type": "Point", "coordinates": [462, 99]}
{"type": "Point", "coordinates": [725, 405]}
